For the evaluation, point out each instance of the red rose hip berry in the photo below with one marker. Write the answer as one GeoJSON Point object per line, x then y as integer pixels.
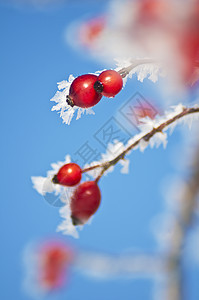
{"type": "Point", "coordinates": [82, 92]}
{"type": "Point", "coordinates": [109, 83]}
{"type": "Point", "coordinates": [85, 202]}
{"type": "Point", "coordinates": [54, 261]}
{"type": "Point", "coordinates": [68, 175]}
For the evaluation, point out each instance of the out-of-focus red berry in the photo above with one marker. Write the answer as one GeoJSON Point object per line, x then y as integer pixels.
{"type": "Point", "coordinates": [85, 202]}
{"type": "Point", "coordinates": [91, 30]}
{"type": "Point", "coordinates": [55, 259]}
{"type": "Point", "coordinates": [109, 83]}
{"type": "Point", "coordinates": [143, 110]}
{"type": "Point", "coordinates": [152, 11]}
{"type": "Point", "coordinates": [189, 44]}
{"type": "Point", "coordinates": [82, 92]}
{"type": "Point", "coordinates": [68, 175]}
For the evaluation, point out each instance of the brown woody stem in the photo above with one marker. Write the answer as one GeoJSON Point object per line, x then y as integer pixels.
{"type": "Point", "coordinates": [146, 137]}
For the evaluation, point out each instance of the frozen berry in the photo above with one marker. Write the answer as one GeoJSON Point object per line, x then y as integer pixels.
{"type": "Point", "coordinates": [69, 175]}
{"type": "Point", "coordinates": [85, 202]}
{"type": "Point", "coordinates": [82, 92]}
{"type": "Point", "coordinates": [109, 83]}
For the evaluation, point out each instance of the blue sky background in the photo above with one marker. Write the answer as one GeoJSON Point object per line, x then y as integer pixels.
{"type": "Point", "coordinates": [34, 57]}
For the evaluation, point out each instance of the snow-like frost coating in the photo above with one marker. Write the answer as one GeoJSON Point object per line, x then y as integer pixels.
{"type": "Point", "coordinates": [141, 69]}
{"type": "Point", "coordinates": [45, 185]}
{"type": "Point", "coordinates": [66, 111]}
{"type": "Point", "coordinates": [66, 226]}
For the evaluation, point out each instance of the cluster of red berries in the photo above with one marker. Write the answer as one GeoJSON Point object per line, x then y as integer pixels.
{"type": "Point", "coordinates": [86, 197]}
{"type": "Point", "coordinates": [87, 90]}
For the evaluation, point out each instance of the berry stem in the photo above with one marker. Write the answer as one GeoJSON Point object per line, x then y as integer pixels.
{"type": "Point", "coordinates": [91, 168]}
{"type": "Point", "coordinates": [146, 137]}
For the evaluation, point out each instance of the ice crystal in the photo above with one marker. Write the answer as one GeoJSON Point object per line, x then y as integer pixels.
{"type": "Point", "coordinates": [141, 68]}
{"type": "Point", "coordinates": [66, 111]}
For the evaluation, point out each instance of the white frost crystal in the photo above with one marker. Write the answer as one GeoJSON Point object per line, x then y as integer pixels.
{"type": "Point", "coordinates": [66, 111]}
{"type": "Point", "coordinates": [141, 68]}
{"type": "Point", "coordinates": [66, 226]}
{"type": "Point", "coordinates": [45, 185]}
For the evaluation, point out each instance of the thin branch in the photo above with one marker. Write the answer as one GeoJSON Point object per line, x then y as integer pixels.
{"type": "Point", "coordinates": [146, 137]}
{"type": "Point", "coordinates": [125, 71]}
{"type": "Point", "coordinates": [138, 62]}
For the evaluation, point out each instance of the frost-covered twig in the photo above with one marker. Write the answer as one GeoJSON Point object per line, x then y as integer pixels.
{"type": "Point", "coordinates": [135, 63]}
{"type": "Point", "coordinates": [145, 137]}
{"type": "Point", "coordinates": [152, 133]}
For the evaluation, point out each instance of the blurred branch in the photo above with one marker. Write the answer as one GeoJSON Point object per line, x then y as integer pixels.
{"type": "Point", "coordinates": [104, 266]}
{"type": "Point", "coordinates": [187, 205]}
